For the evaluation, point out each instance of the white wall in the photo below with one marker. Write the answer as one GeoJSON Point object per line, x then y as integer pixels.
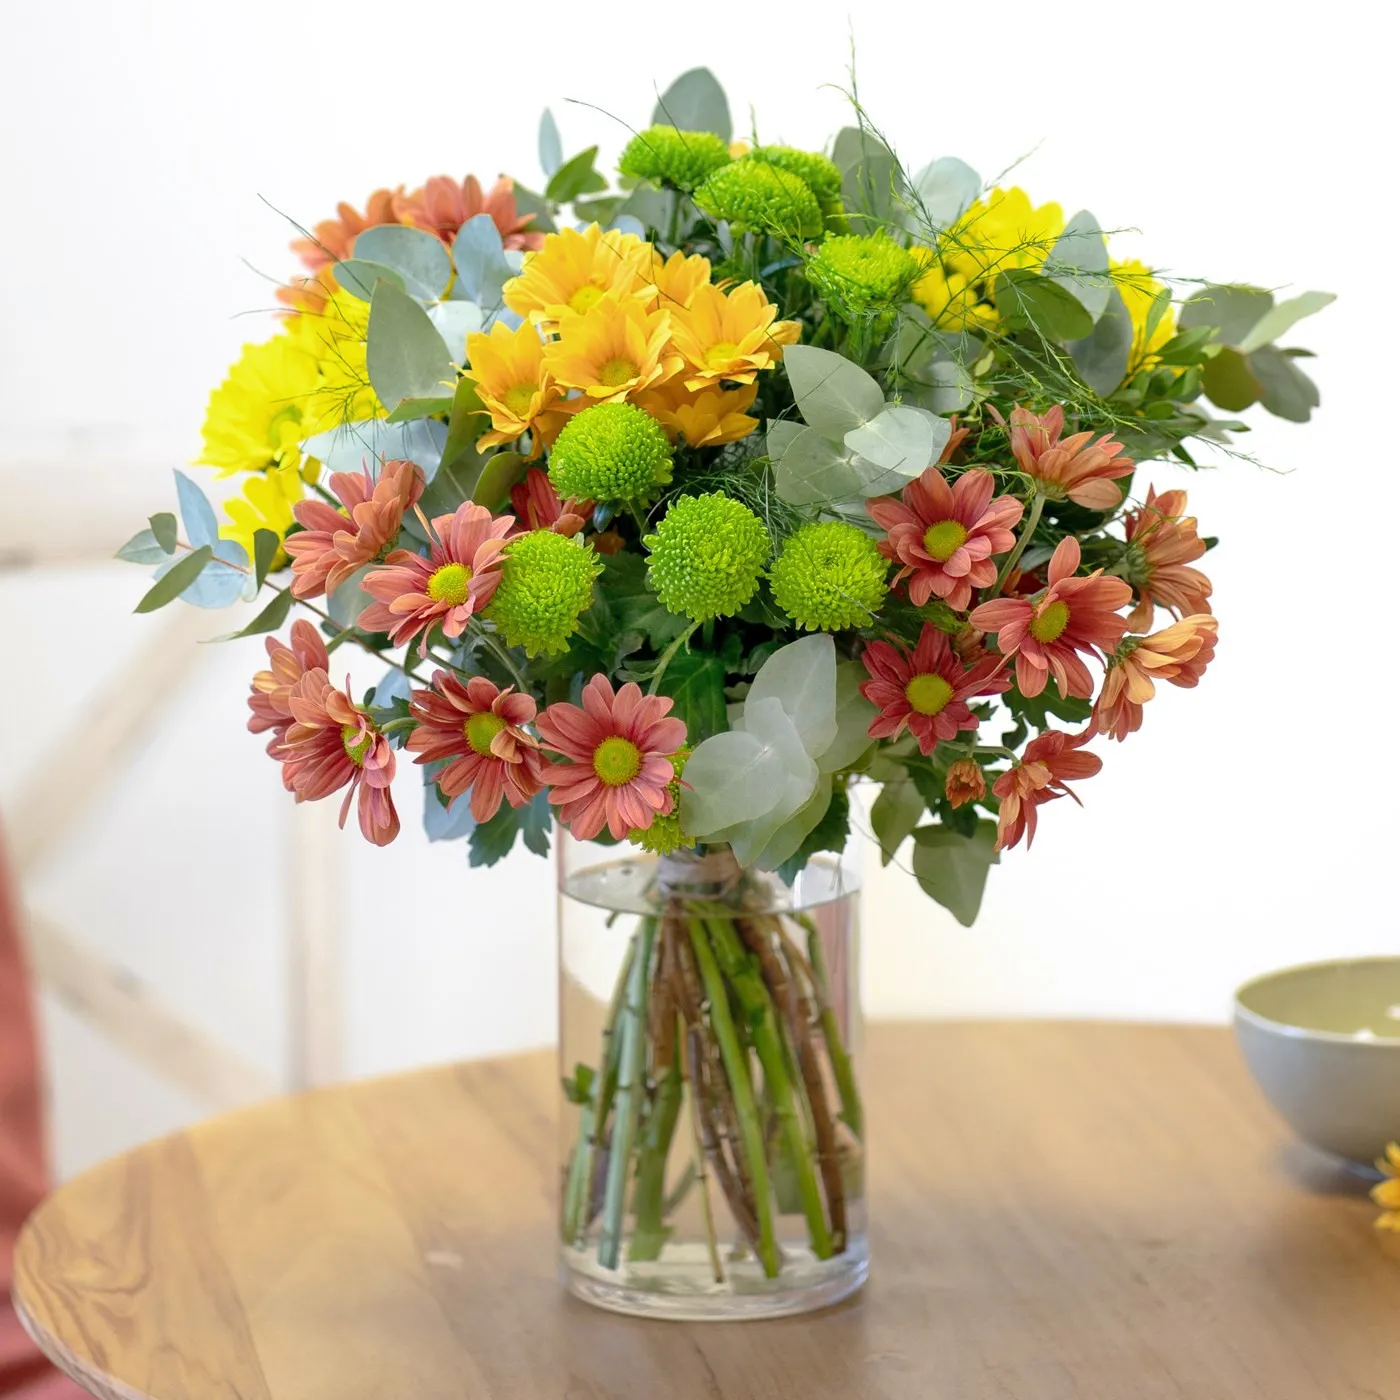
{"type": "Point", "coordinates": [1250, 823]}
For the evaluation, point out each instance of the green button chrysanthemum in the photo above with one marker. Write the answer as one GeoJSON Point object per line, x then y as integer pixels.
{"type": "Point", "coordinates": [680, 158]}
{"type": "Point", "coordinates": [819, 174]}
{"type": "Point", "coordinates": [754, 194]}
{"type": "Point", "coordinates": [546, 582]}
{"type": "Point", "coordinates": [862, 275]}
{"type": "Point", "coordinates": [707, 556]}
{"type": "Point", "coordinates": [829, 576]}
{"type": "Point", "coordinates": [610, 452]}
{"type": "Point", "coordinates": [664, 835]}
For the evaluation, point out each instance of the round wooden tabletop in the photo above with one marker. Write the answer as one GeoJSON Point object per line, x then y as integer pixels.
{"type": "Point", "coordinates": [1058, 1212]}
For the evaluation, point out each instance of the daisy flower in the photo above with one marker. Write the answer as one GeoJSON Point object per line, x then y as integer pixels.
{"type": "Point", "coordinates": [443, 205]}
{"type": "Point", "coordinates": [332, 544]}
{"type": "Point", "coordinates": [478, 729]}
{"type": "Point", "coordinates": [507, 368]}
{"type": "Point", "coordinates": [333, 744]}
{"type": "Point", "coordinates": [1073, 615]}
{"type": "Point", "coordinates": [1076, 468]}
{"type": "Point", "coordinates": [616, 753]}
{"type": "Point", "coordinates": [1042, 775]}
{"type": "Point", "coordinates": [965, 782]}
{"type": "Point", "coordinates": [575, 268]}
{"type": "Point", "coordinates": [616, 349]}
{"type": "Point", "coordinates": [1162, 543]}
{"type": "Point", "coordinates": [926, 690]}
{"type": "Point", "coordinates": [458, 578]}
{"type": "Point", "coordinates": [270, 700]}
{"type": "Point", "coordinates": [1387, 1194]}
{"type": "Point", "coordinates": [944, 537]}
{"type": "Point", "coordinates": [1179, 654]}
{"type": "Point", "coordinates": [729, 335]}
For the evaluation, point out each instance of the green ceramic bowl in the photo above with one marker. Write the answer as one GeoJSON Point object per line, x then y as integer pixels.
{"type": "Point", "coordinates": [1323, 1040]}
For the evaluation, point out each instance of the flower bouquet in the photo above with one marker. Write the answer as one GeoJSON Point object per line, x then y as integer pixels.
{"type": "Point", "coordinates": [675, 508]}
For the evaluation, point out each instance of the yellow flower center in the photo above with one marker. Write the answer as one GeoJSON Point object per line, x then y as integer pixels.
{"type": "Point", "coordinates": [1050, 621]}
{"type": "Point", "coordinates": [943, 540]}
{"type": "Point", "coordinates": [518, 399]}
{"type": "Point", "coordinates": [586, 298]}
{"type": "Point", "coordinates": [449, 585]}
{"type": "Point", "coordinates": [480, 729]}
{"type": "Point", "coordinates": [356, 743]}
{"type": "Point", "coordinates": [619, 370]}
{"type": "Point", "coordinates": [928, 694]}
{"type": "Point", "coordinates": [721, 353]}
{"type": "Point", "coordinates": [617, 760]}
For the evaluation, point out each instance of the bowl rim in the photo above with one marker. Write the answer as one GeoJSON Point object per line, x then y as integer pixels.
{"type": "Point", "coordinates": [1296, 1032]}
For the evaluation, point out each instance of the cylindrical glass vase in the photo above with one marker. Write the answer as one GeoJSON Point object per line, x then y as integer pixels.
{"type": "Point", "coordinates": [711, 1134]}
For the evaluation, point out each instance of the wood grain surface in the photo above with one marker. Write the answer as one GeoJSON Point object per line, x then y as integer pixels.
{"type": "Point", "coordinates": [1060, 1212]}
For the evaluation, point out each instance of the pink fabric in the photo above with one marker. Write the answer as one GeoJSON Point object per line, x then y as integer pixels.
{"type": "Point", "coordinates": [24, 1373]}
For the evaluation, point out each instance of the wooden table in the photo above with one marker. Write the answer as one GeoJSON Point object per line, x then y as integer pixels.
{"type": "Point", "coordinates": [1060, 1212]}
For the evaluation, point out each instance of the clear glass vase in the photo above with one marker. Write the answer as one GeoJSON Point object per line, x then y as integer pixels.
{"type": "Point", "coordinates": [711, 1133]}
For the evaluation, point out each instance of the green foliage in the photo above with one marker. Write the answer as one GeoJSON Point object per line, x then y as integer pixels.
{"type": "Point", "coordinates": [418, 262]}
{"type": "Point", "coordinates": [829, 834]}
{"type": "Point", "coordinates": [695, 681]}
{"type": "Point", "coordinates": [178, 578]}
{"type": "Point", "coordinates": [952, 868]}
{"type": "Point", "coordinates": [165, 531]}
{"type": "Point", "coordinates": [406, 357]}
{"type": "Point", "coordinates": [894, 814]}
{"type": "Point", "coordinates": [695, 102]}
{"type": "Point", "coordinates": [575, 177]}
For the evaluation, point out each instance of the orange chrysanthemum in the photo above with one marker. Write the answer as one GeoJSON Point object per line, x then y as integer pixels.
{"type": "Point", "coordinates": [443, 205]}
{"type": "Point", "coordinates": [537, 506]}
{"type": "Point", "coordinates": [965, 782]}
{"type": "Point", "coordinates": [1179, 654]}
{"type": "Point", "coordinates": [333, 240]}
{"type": "Point", "coordinates": [507, 367]}
{"type": "Point", "coordinates": [1076, 468]}
{"type": "Point", "coordinates": [703, 417]}
{"type": "Point", "coordinates": [616, 349]}
{"type": "Point", "coordinates": [1041, 776]}
{"type": "Point", "coordinates": [1162, 543]}
{"type": "Point", "coordinates": [575, 268]}
{"type": "Point", "coordinates": [729, 335]}
{"type": "Point", "coordinates": [271, 698]}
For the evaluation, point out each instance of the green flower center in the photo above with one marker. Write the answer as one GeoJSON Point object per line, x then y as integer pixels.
{"type": "Point", "coordinates": [928, 694]}
{"type": "Point", "coordinates": [519, 397]}
{"type": "Point", "coordinates": [356, 742]}
{"type": "Point", "coordinates": [617, 761]}
{"type": "Point", "coordinates": [480, 729]}
{"type": "Point", "coordinates": [943, 540]}
{"type": "Point", "coordinates": [617, 371]}
{"type": "Point", "coordinates": [721, 353]}
{"type": "Point", "coordinates": [1050, 621]}
{"type": "Point", "coordinates": [449, 585]}
{"type": "Point", "coordinates": [586, 298]}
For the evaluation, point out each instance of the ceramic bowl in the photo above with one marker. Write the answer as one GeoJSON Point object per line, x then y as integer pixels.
{"type": "Point", "coordinates": [1323, 1040]}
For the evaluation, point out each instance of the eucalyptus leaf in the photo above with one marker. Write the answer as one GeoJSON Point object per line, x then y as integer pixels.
{"type": "Point", "coordinates": [1285, 390]}
{"type": "Point", "coordinates": [1229, 381]}
{"type": "Point", "coordinates": [574, 178]}
{"type": "Point", "coordinates": [791, 782]}
{"type": "Point", "coordinates": [808, 469]}
{"type": "Point", "coordinates": [943, 191]}
{"type": "Point", "coordinates": [1234, 311]}
{"type": "Point", "coordinates": [165, 529]}
{"type": "Point", "coordinates": [447, 821]}
{"type": "Point", "coordinates": [788, 839]}
{"type": "Point", "coordinates": [528, 202]}
{"type": "Point", "coordinates": [482, 266]}
{"type": "Point", "coordinates": [201, 524]}
{"type": "Point", "coordinates": [695, 102]}
{"type": "Point", "coordinates": [349, 600]}
{"type": "Point", "coordinates": [801, 676]}
{"type": "Point", "coordinates": [420, 258]}
{"type": "Point", "coordinates": [359, 276]}
{"type": "Point", "coordinates": [551, 148]}
{"type": "Point", "coordinates": [406, 357]}
{"type": "Point", "coordinates": [1102, 357]}
{"type": "Point", "coordinates": [265, 546]}
{"type": "Point", "coordinates": [269, 619]}
{"type": "Point", "coordinates": [1282, 318]}
{"type": "Point", "coordinates": [373, 441]}
{"type": "Point", "coordinates": [1079, 263]}
{"type": "Point", "coordinates": [894, 814]}
{"type": "Point", "coordinates": [943, 386]}
{"type": "Point", "coordinates": [455, 321]}
{"type": "Point", "coordinates": [173, 580]}
{"type": "Point", "coordinates": [144, 548]}
{"type": "Point", "coordinates": [854, 716]}
{"type": "Point", "coordinates": [1024, 297]}
{"type": "Point", "coordinates": [871, 183]}
{"type": "Point", "coordinates": [411, 409]}
{"type": "Point", "coordinates": [952, 869]}
{"type": "Point", "coordinates": [833, 394]}
{"type": "Point", "coordinates": [222, 581]}
{"type": "Point", "coordinates": [499, 472]}
{"type": "Point", "coordinates": [901, 440]}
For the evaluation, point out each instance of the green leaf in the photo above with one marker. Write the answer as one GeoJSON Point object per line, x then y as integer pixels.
{"type": "Point", "coordinates": [410, 409]}
{"type": "Point", "coordinates": [854, 715]}
{"type": "Point", "coordinates": [901, 440]}
{"type": "Point", "coordinates": [420, 259]}
{"type": "Point", "coordinates": [1232, 311]}
{"type": "Point", "coordinates": [466, 422]}
{"type": "Point", "coordinates": [444, 820]}
{"type": "Point", "coordinates": [870, 178]}
{"type": "Point", "coordinates": [550, 147]}
{"type": "Point", "coordinates": [894, 814]}
{"type": "Point", "coordinates": [1283, 317]}
{"type": "Point", "coordinates": [143, 548]}
{"type": "Point", "coordinates": [1079, 263]}
{"type": "Point", "coordinates": [1048, 706]}
{"type": "Point", "coordinates": [405, 356]}
{"type": "Point", "coordinates": [833, 394]}
{"type": "Point", "coordinates": [201, 524]}
{"type": "Point", "coordinates": [528, 202]}
{"type": "Point", "coordinates": [575, 177]}
{"type": "Point", "coordinates": [1161, 304]}
{"type": "Point", "coordinates": [163, 527]}
{"type": "Point", "coordinates": [536, 820]}
{"type": "Point", "coordinates": [952, 869]}
{"type": "Point", "coordinates": [170, 585]}
{"type": "Point", "coordinates": [265, 546]}
{"type": "Point", "coordinates": [1102, 357]}
{"type": "Point", "coordinates": [829, 834]}
{"type": "Point", "coordinates": [269, 619]}
{"type": "Point", "coordinates": [695, 681]}
{"type": "Point", "coordinates": [1229, 381]}
{"type": "Point", "coordinates": [1286, 391]}
{"type": "Point", "coordinates": [943, 191]}
{"type": "Point", "coordinates": [499, 472]}
{"type": "Point", "coordinates": [1024, 297]}
{"type": "Point", "coordinates": [695, 102]}
{"type": "Point", "coordinates": [809, 469]}
{"type": "Point", "coordinates": [801, 676]}
{"type": "Point", "coordinates": [482, 266]}
{"type": "Point", "coordinates": [635, 606]}
{"type": "Point", "coordinates": [358, 276]}
{"type": "Point", "coordinates": [491, 841]}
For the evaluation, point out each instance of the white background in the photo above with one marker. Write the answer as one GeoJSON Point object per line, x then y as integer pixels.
{"type": "Point", "coordinates": [1250, 824]}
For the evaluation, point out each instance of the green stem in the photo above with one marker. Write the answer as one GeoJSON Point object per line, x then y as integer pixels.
{"type": "Point", "coordinates": [364, 645]}
{"type": "Point", "coordinates": [736, 1070]}
{"type": "Point", "coordinates": [501, 655]}
{"type": "Point", "coordinates": [841, 1069]}
{"type": "Point", "coordinates": [630, 1076]}
{"type": "Point", "coordinates": [742, 972]}
{"type": "Point", "coordinates": [1012, 559]}
{"type": "Point", "coordinates": [665, 659]}
{"type": "Point", "coordinates": [649, 1196]}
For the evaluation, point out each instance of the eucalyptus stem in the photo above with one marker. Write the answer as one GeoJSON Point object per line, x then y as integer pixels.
{"type": "Point", "coordinates": [363, 644]}
{"type": "Point", "coordinates": [741, 1088]}
{"type": "Point", "coordinates": [1019, 548]}
{"type": "Point", "coordinates": [630, 1076]}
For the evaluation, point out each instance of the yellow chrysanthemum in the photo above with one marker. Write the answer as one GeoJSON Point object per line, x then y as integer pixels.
{"type": "Point", "coordinates": [1001, 232]}
{"type": "Point", "coordinates": [729, 335]}
{"type": "Point", "coordinates": [507, 366]}
{"type": "Point", "coordinates": [1387, 1194]}
{"type": "Point", "coordinates": [948, 298]}
{"type": "Point", "coordinates": [257, 417]}
{"type": "Point", "coordinates": [266, 504]}
{"type": "Point", "coordinates": [678, 278]}
{"type": "Point", "coordinates": [707, 417]}
{"type": "Point", "coordinates": [337, 335]}
{"type": "Point", "coordinates": [1139, 289]}
{"type": "Point", "coordinates": [574, 270]}
{"type": "Point", "coordinates": [616, 349]}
